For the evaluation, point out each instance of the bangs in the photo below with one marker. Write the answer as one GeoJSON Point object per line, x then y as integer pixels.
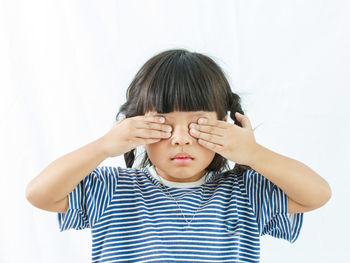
{"type": "Point", "coordinates": [181, 82]}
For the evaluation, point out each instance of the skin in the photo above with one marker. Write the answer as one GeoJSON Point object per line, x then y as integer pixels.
{"type": "Point", "coordinates": [306, 190]}
{"type": "Point", "coordinates": [180, 140]}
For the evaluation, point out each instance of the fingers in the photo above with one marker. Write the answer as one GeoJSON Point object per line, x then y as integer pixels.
{"type": "Point", "coordinates": [153, 134]}
{"type": "Point", "coordinates": [148, 141]}
{"type": "Point", "coordinates": [154, 126]}
{"type": "Point", "coordinates": [207, 129]}
{"type": "Point", "coordinates": [152, 122]}
{"type": "Point", "coordinates": [151, 127]}
{"type": "Point", "coordinates": [150, 118]}
{"type": "Point", "coordinates": [216, 123]}
{"type": "Point", "coordinates": [208, 137]}
{"type": "Point", "coordinates": [244, 120]}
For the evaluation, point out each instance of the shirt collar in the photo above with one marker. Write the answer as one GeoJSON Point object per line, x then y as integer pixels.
{"type": "Point", "coordinates": [197, 183]}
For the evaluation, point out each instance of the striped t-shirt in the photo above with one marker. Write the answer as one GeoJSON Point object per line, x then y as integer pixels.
{"type": "Point", "coordinates": [133, 218]}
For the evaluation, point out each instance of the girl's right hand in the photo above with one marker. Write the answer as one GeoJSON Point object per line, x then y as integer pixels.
{"type": "Point", "coordinates": [129, 133]}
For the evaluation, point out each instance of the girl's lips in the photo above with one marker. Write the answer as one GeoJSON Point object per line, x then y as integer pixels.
{"type": "Point", "coordinates": [182, 160]}
{"type": "Point", "coordinates": [182, 155]}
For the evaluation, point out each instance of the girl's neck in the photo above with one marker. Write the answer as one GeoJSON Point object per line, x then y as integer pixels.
{"type": "Point", "coordinates": [197, 183]}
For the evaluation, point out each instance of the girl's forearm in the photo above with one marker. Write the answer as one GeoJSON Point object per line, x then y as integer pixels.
{"type": "Point", "coordinates": [61, 176]}
{"type": "Point", "coordinates": [297, 180]}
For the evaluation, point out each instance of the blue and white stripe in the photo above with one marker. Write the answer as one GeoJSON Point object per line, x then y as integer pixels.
{"type": "Point", "coordinates": [133, 219]}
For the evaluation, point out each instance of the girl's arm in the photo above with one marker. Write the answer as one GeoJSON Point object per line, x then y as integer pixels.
{"type": "Point", "coordinates": [49, 190]}
{"type": "Point", "coordinates": [306, 190]}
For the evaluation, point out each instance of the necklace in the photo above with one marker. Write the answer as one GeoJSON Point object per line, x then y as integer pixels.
{"type": "Point", "coordinates": [188, 223]}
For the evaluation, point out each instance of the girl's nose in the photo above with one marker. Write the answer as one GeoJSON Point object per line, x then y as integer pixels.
{"type": "Point", "coordinates": [181, 135]}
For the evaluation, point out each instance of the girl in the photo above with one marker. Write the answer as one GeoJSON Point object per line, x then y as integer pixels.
{"type": "Point", "coordinates": [183, 203]}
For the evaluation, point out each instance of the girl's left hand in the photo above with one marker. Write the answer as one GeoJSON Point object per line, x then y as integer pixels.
{"type": "Point", "coordinates": [231, 141]}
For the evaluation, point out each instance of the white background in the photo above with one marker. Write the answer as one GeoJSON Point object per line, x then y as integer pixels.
{"type": "Point", "coordinates": [65, 66]}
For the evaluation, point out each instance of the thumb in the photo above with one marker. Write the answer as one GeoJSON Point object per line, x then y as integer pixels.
{"type": "Point", "coordinates": [243, 120]}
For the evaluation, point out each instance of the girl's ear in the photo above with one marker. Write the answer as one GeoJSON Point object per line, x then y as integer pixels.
{"type": "Point", "coordinates": [225, 119]}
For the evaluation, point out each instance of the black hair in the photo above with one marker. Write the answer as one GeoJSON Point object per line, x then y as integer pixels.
{"type": "Point", "coordinates": [180, 80]}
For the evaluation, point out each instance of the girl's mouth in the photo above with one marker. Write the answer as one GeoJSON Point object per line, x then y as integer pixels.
{"type": "Point", "coordinates": [182, 160]}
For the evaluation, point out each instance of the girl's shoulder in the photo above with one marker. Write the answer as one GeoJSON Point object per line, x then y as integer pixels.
{"type": "Point", "coordinates": [240, 176]}
{"type": "Point", "coordinates": [236, 171]}
{"type": "Point", "coordinates": [118, 171]}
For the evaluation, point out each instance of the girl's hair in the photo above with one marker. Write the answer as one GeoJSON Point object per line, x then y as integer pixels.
{"type": "Point", "coordinates": [180, 80]}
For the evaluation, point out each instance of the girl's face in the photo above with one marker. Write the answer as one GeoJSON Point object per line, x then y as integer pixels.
{"type": "Point", "coordinates": [162, 153]}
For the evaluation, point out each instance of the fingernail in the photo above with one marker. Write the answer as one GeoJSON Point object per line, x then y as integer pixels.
{"type": "Point", "coordinates": [201, 121]}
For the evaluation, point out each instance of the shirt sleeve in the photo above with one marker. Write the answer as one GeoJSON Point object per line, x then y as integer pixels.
{"type": "Point", "coordinates": [88, 201]}
{"type": "Point", "coordinates": [270, 206]}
